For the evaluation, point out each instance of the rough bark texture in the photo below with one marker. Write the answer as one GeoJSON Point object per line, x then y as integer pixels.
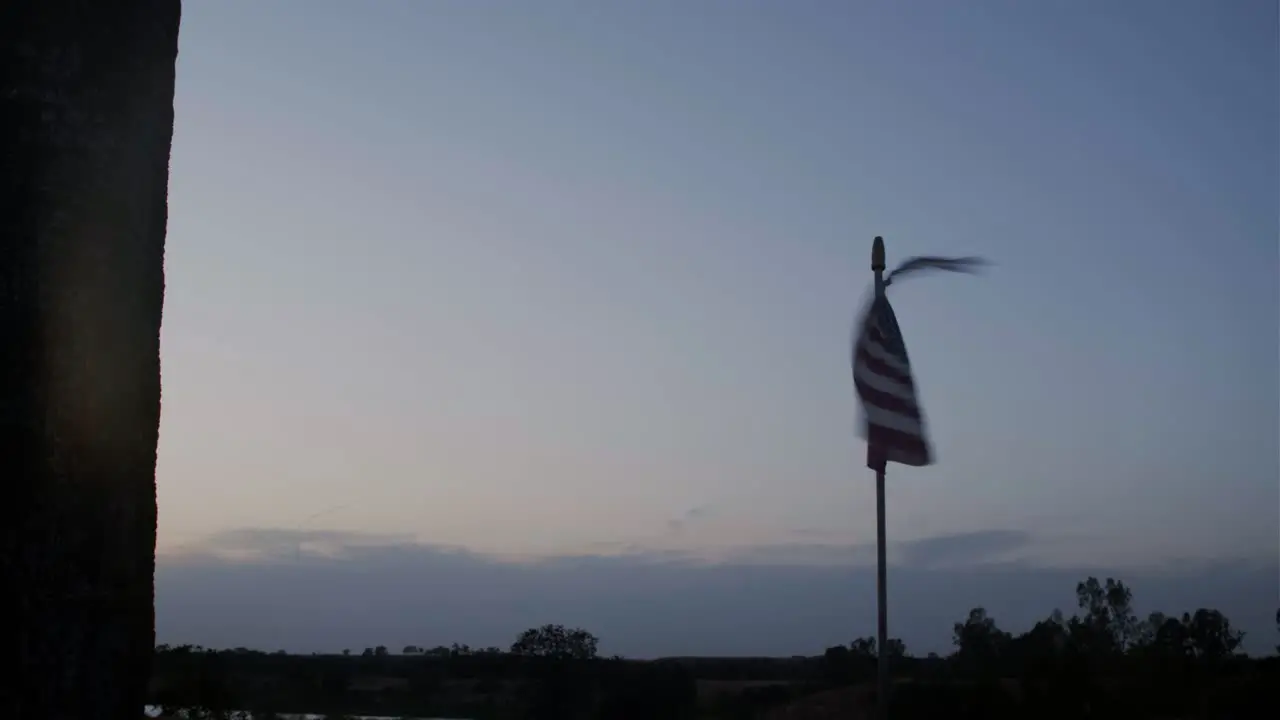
{"type": "Point", "coordinates": [86, 119]}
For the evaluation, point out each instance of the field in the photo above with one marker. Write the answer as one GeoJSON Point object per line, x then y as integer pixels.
{"type": "Point", "coordinates": [839, 684]}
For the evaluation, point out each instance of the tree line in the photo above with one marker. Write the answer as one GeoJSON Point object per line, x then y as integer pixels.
{"type": "Point", "coordinates": [1101, 661]}
{"type": "Point", "coordinates": [546, 641]}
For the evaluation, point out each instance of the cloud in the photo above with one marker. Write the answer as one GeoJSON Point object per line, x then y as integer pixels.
{"type": "Point", "coordinates": [354, 591]}
{"type": "Point", "coordinates": [804, 553]}
{"type": "Point", "coordinates": [265, 543]}
{"type": "Point", "coordinates": [951, 551]}
{"type": "Point", "coordinates": [814, 533]}
{"type": "Point", "coordinates": [964, 548]}
{"type": "Point", "coordinates": [690, 516]}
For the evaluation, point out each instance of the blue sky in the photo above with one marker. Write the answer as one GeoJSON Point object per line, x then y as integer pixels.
{"type": "Point", "coordinates": [577, 278]}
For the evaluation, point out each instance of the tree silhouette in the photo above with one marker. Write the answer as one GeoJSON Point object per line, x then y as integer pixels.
{"type": "Point", "coordinates": [895, 648]}
{"type": "Point", "coordinates": [556, 641]}
{"type": "Point", "coordinates": [1210, 636]}
{"type": "Point", "coordinates": [86, 122]}
{"type": "Point", "coordinates": [1108, 625]}
{"type": "Point", "coordinates": [864, 647]}
{"type": "Point", "coordinates": [1163, 636]}
{"type": "Point", "coordinates": [1048, 638]}
{"type": "Point", "coordinates": [979, 642]}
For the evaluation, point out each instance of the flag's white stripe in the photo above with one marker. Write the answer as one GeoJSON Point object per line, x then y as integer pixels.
{"type": "Point", "coordinates": [884, 384]}
{"type": "Point", "coordinates": [894, 421]}
{"type": "Point", "coordinates": [877, 351]}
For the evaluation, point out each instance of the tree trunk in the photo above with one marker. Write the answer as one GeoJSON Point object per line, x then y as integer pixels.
{"type": "Point", "coordinates": [86, 120]}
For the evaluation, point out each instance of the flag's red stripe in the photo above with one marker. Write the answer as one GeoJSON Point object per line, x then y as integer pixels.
{"type": "Point", "coordinates": [909, 449]}
{"type": "Point", "coordinates": [887, 401]}
{"type": "Point", "coordinates": [880, 367]}
{"type": "Point", "coordinates": [909, 443]}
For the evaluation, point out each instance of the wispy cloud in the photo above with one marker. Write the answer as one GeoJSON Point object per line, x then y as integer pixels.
{"type": "Point", "coordinates": [815, 533]}
{"type": "Point", "coordinates": [689, 517]}
{"type": "Point", "coordinates": [260, 544]}
{"type": "Point", "coordinates": [966, 548]}
{"type": "Point", "coordinates": [803, 553]}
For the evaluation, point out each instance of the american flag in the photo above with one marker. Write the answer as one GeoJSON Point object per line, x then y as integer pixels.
{"type": "Point", "coordinates": [894, 425]}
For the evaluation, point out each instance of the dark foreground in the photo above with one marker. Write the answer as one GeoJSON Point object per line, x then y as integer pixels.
{"type": "Point", "coordinates": [482, 686]}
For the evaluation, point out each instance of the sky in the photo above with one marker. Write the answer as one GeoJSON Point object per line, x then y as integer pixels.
{"type": "Point", "coordinates": [550, 304]}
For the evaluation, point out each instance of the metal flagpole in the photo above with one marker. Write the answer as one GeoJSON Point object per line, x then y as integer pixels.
{"type": "Point", "coordinates": [880, 361]}
{"type": "Point", "coordinates": [882, 611]}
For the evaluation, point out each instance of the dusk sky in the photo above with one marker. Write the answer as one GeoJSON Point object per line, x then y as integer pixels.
{"type": "Point", "coordinates": [487, 314]}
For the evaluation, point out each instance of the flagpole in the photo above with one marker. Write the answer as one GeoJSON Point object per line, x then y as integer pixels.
{"type": "Point", "coordinates": [882, 613]}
